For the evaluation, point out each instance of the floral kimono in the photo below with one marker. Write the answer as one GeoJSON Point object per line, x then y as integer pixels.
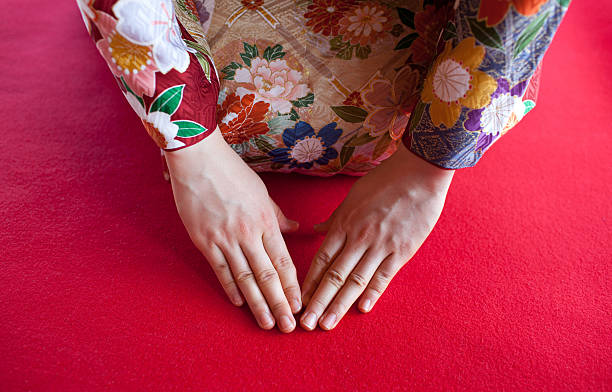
{"type": "Point", "coordinates": [327, 86]}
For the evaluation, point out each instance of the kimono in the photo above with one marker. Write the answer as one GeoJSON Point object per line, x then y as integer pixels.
{"type": "Point", "coordinates": [322, 87]}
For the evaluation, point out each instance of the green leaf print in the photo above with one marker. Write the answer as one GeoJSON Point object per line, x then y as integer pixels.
{"type": "Point", "coordinates": [360, 140]}
{"type": "Point", "coordinates": [250, 52]}
{"type": "Point", "coordinates": [293, 115]}
{"type": "Point", "coordinates": [362, 52]}
{"type": "Point", "coordinates": [257, 159]}
{"type": "Point", "coordinates": [230, 70]}
{"type": "Point", "coordinates": [381, 145]}
{"type": "Point", "coordinates": [281, 122]}
{"type": "Point", "coordinates": [346, 53]}
{"type": "Point", "coordinates": [529, 34]}
{"type": "Point", "coordinates": [129, 90]}
{"type": "Point", "coordinates": [345, 154]}
{"type": "Point", "coordinates": [406, 16]}
{"type": "Point", "coordinates": [563, 3]}
{"type": "Point", "coordinates": [417, 113]}
{"type": "Point", "coordinates": [263, 145]}
{"type": "Point", "coordinates": [529, 104]}
{"type": "Point", "coordinates": [168, 101]}
{"type": "Point", "coordinates": [188, 128]}
{"type": "Point", "coordinates": [273, 53]}
{"type": "Point", "coordinates": [351, 114]}
{"type": "Point", "coordinates": [486, 35]}
{"type": "Point", "coordinates": [305, 101]}
{"type": "Point", "coordinates": [405, 42]}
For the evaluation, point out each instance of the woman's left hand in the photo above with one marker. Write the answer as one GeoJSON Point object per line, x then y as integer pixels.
{"type": "Point", "coordinates": [383, 221]}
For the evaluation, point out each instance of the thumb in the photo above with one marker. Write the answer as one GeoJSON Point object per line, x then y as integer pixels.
{"type": "Point", "coordinates": [323, 226]}
{"type": "Point", "coordinates": [285, 224]}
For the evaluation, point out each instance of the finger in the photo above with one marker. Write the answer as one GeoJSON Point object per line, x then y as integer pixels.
{"type": "Point", "coordinates": [217, 261]}
{"type": "Point", "coordinates": [279, 255]}
{"type": "Point", "coordinates": [245, 279]}
{"type": "Point", "coordinates": [356, 283]}
{"type": "Point", "coordinates": [329, 249]}
{"type": "Point", "coordinates": [324, 226]}
{"type": "Point", "coordinates": [379, 282]}
{"type": "Point", "coordinates": [285, 224]}
{"type": "Point", "coordinates": [269, 283]}
{"type": "Point", "coordinates": [332, 281]}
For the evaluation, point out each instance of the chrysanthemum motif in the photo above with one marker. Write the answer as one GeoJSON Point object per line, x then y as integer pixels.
{"type": "Point", "coordinates": [505, 110]}
{"type": "Point", "coordinates": [454, 82]}
{"type": "Point", "coordinates": [365, 24]}
{"type": "Point", "coordinates": [305, 147]}
{"type": "Point", "coordinates": [323, 15]}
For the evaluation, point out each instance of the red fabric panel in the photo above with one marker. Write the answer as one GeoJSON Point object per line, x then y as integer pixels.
{"type": "Point", "coordinates": [100, 288]}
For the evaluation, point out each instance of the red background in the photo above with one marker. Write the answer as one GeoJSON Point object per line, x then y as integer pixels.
{"type": "Point", "coordinates": [100, 288]}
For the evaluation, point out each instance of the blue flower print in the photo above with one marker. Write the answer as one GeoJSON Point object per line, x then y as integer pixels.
{"type": "Point", "coordinates": [304, 147]}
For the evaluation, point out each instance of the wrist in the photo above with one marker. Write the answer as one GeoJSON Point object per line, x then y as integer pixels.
{"type": "Point", "coordinates": [412, 167]}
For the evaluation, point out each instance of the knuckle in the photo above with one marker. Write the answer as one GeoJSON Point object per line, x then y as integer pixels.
{"type": "Point", "coordinates": [267, 275]}
{"type": "Point", "coordinates": [316, 303]}
{"type": "Point", "coordinates": [289, 290]}
{"type": "Point", "coordinates": [322, 259]}
{"type": "Point", "coordinates": [277, 307]}
{"type": "Point", "coordinates": [358, 279]}
{"type": "Point", "coordinates": [228, 285]}
{"type": "Point", "coordinates": [385, 276]}
{"type": "Point", "coordinates": [283, 262]}
{"type": "Point", "coordinates": [244, 277]}
{"type": "Point", "coordinates": [219, 266]}
{"type": "Point", "coordinates": [334, 277]}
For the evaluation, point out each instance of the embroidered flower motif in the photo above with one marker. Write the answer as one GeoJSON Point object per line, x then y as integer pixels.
{"type": "Point", "coordinates": [87, 12]}
{"type": "Point", "coordinates": [505, 110]}
{"type": "Point", "coordinates": [304, 147]}
{"type": "Point", "coordinates": [390, 104]}
{"type": "Point", "coordinates": [242, 118]}
{"type": "Point", "coordinates": [125, 58]}
{"type": "Point", "coordinates": [494, 11]}
{"type": "Point", "coordinates": [323, 15]}
{"type": "Point", "coordinates": [153, 22]}
{"type": "Point", "coordinates": [354, 99]}
{"type": "Point", "coordinates": [365, 24]}
{"type": "Point", "coordinates": [454, 81]}
{"type": "Point", "coordinates": [273, 82]}
{"type": "Point", "coordinates": [158, 124]}
{"type": "Point", "coordinates": [428, 24]}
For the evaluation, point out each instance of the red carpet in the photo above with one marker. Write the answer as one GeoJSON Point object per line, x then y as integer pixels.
{"type": "Point", "coordinates": [101, 290]}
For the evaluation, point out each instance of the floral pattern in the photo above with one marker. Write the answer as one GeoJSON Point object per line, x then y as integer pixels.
{"type": "Point", "coordinates": [506, 109]}
{"type": "Point", "coordinates": [390, 104]}
{"type": "Point", "coordinates": [365, 24]}
{"type": "Point", "coordinates": [323, 15]}
{"type": "Point", "coordinates": [125, 58]}
{"type": "Point", "coordinates": [304, 147]}
{"type": "Point", "coordinates": [494, 11]}
{"type": "Point", "coordinates": [242, 118]}
{"type": "Point", "coordinates": [153, 22]}
{"type": "Point", "coordinates": [445, 78]}
{"type": "Point", "coordinates": [455, 82]}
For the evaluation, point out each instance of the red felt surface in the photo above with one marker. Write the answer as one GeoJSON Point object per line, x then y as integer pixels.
{"type": "Point", "coordinates": [101, 290]}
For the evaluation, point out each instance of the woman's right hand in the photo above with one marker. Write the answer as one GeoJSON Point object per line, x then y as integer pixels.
{"type": "Point", "coordinates": [232, 220]}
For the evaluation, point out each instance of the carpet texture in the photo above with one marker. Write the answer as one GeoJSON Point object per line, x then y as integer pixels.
{"type": "Point", "coordinates": [101, 290]}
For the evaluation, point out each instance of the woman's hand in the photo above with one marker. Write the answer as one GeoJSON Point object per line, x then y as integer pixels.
{"type": "Point", "coordinates": [383, 221]}
{"type": "Point", "coordinates": [232, 220]}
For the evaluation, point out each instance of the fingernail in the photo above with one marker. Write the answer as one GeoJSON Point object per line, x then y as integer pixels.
{"type": "Point", "coordinates": [296, 305]}
{"type": "Point", "coordinates": [309, 320]}
{"type": "Point", "coordinates": [286, 324]}
{"type": "Point", "coordinates": [329, 321]}
{"type": "Point", "coordinates": [367, 305]}
{"type": "Point", "coordinates": [266, 320]}
{"type": "Point", "coordinates": [237, 301]}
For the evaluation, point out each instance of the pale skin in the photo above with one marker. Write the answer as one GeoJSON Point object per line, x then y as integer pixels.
{"type": "Point", "coordinates": [383, 221]}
